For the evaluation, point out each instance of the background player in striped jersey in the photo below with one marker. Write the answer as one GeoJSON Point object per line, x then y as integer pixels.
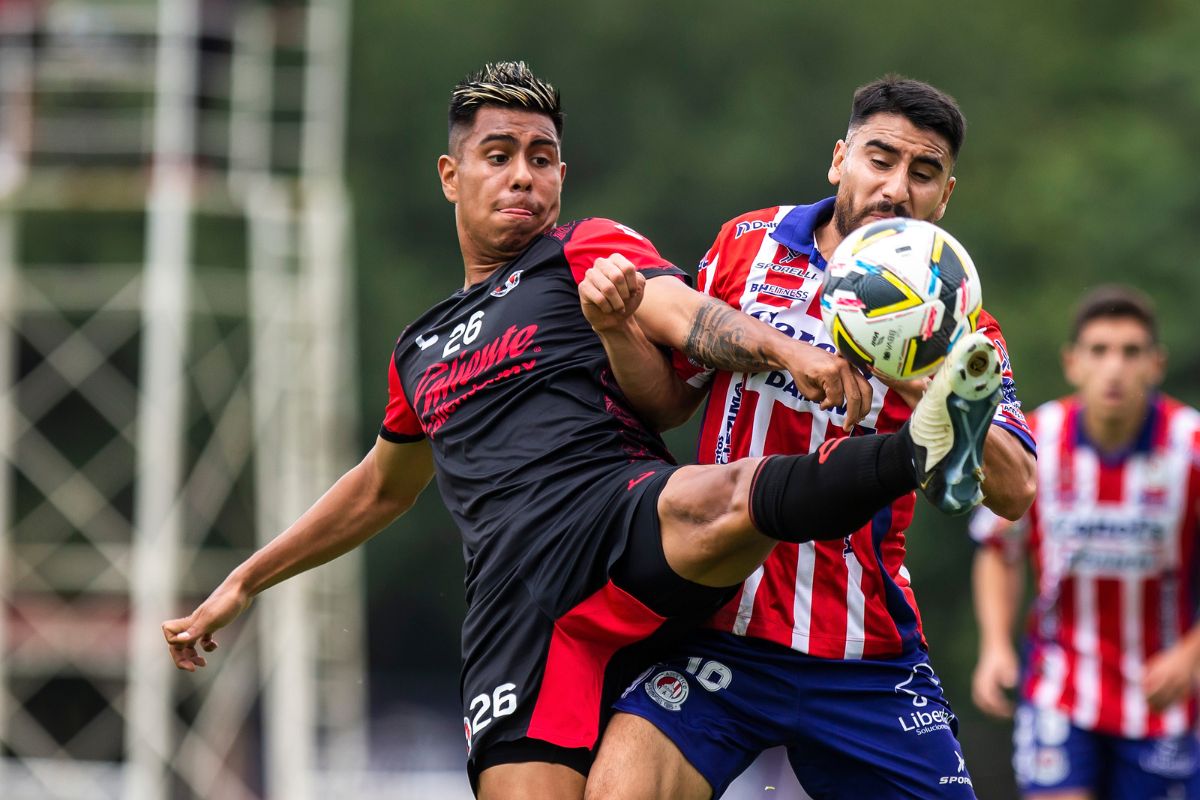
{"type": "Point", "coordinates": [822, 648]}
{"type": "Point", "coordinates": [1107, 700]}
{"type": "Point", "coordinates": [580, 534]}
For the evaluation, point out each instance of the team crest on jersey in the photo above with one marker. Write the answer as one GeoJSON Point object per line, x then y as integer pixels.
{"type": "Point", "coordinates": [508, 285]}
{"type": "Point", "coordinates": [669, 689]}
{"type": "Point", "coordinates": [788, 255]}
{"type": "Point", "coordinates": [1157, 477]}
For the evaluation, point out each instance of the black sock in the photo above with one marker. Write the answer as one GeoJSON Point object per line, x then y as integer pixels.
{"type": "Point", "coordinates": [833, 492]}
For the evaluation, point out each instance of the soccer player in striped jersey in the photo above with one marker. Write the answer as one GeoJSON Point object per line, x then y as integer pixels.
{"type": "Point", "coordinates": [1107, 703]}
{"type": "Point", "coordinates": [821, 650]}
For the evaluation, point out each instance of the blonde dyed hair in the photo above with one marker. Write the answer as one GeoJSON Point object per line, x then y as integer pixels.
{"type": "Point", "coordinates": [506, 84]}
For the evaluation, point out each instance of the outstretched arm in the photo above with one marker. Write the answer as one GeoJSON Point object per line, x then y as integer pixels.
{"type": "Point", "coordinates": [380, 488]}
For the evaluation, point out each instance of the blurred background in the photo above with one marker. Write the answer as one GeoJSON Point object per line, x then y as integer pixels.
{"type": "Point", "coordinates": [217, 216]}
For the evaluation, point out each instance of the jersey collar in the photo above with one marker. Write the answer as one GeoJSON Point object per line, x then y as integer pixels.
{"type": "Point", "coordinates": [797, 228]}
{"type": "Point", "coordinates": [1143, 443]}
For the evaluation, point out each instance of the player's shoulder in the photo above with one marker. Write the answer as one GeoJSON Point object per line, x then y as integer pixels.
{"type": "Point", "coordinates": [762, 220]}
{"type": "Point", "coordinates": [1059, 405]}
{"type": "Point", "coordinates": [585, 240]}
{"type": "Point", "coordinates": [589, 228]}
{"type": "Point", "coordinates": [1181, 416]}
{"type": "Point", "coordinates": [418, 330]}
{"type": "Point", "coordinates": [988, 322]}
{"type": "Point", "coordinates": [1052, 413]}
{"type": "Point", "coordinates": [406, 336]}
{"type": "Point", "coordinates": [1174, 406]}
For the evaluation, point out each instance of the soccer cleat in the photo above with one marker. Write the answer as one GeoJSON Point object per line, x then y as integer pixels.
{"type": "Point", "coordinates": [951, 421]}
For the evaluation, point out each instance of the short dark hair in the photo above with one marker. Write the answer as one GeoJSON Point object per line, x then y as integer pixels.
{"type": "Point", "coordinates": [507, 84]}
{"type": "Point", "coordinates": [1113, 301]}
{"type": "Point", "coordinates": [925, 106]}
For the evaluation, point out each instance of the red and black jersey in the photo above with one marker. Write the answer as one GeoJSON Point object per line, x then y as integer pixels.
{"type": "Point", "coordinates": [513, 390]}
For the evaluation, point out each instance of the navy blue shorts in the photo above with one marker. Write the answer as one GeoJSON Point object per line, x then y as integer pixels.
{"type": "Point", "coordinates": [852, 729]}
{"type": "Point", "coordinates": [1050, 755]}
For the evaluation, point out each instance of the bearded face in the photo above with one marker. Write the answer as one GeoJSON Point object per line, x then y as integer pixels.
{"type": "Point", "coordinates": [889, 167]}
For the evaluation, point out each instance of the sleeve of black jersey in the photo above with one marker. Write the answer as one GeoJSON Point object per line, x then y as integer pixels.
{"type": "Point", "coordinates": [401, 425]}
{"type": "Point", "coordinates": [595, 238]}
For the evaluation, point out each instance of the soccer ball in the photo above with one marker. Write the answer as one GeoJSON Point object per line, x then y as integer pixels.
{"type": "Point", "coordinates": [898, 293]}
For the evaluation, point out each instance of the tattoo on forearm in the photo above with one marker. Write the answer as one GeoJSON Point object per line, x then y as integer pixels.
{"type": "Point", "coordinates": [718, 339]}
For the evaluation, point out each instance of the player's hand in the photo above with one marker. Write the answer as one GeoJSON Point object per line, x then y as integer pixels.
{"type": "Point", "coordinates": [910, 391]}
{"type": "Point", "coordinates": [610, 292]}
{"type": "Point", "coordinates": [1169, 676]}
{"type": "Point", "coordinates": [995, 675]}
{"type": "Point", "coordinates": [832, 381]}
{"type": "Point", "coordinates": [186, 634]}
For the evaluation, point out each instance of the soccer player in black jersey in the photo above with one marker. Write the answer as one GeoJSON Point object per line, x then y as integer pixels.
{"type": "Point", "coordinates": [580, 534]}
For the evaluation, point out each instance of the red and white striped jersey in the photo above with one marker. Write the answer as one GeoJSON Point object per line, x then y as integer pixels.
{"type": "Point", "coordinates": [1113, 546]}
{"type": "Point", "coordinates": [845, 599]}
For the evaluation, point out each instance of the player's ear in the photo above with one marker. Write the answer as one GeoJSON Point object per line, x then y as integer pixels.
{"type": "Point", "coordinates": [447, 169]}
{"type": "Point", "coordinates": [562, 171]}
{"type": "Point", "coordinates": [1070, 365]}
{"type": "Point", "coordinates": [835, 165]}
{"type": "Point", "coordinates": [1160, 363]}
{"type": "Point", "coordinates": [941, 208]}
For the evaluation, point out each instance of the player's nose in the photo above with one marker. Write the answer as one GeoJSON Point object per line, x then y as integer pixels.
{"type": "Point", "coordinates": [520, 174]}
{"type": "Point", "coordinates": [895, 189]}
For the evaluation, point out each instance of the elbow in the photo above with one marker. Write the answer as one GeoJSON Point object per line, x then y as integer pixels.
{"type": "Point", "coordinates": [394, 507]}
{"type": "Point", "coordinates": [390, 503]}
{"type": "Point", "coordinates": [378, 499]}
{"type": "Point", "coordinates": [1015, 500]}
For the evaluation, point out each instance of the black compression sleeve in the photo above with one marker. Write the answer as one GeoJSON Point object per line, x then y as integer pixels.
{"type": "Point", "coordinates": [833, 492]}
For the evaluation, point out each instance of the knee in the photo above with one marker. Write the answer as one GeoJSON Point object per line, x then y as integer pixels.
{"type": "Point", "coordinates": [708, 536]}
{"type": "Point", "coordinates": [711, 496]}
{"type": "Point", "coordinates": [736, 497]}
{"type": "Point", "coordinates": [636, 761]}
{"type": "Point", "coordinates": [601, 786]}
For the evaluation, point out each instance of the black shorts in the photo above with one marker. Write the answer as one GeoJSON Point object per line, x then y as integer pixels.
{"type": "Point", "coordinates": [539, 688]}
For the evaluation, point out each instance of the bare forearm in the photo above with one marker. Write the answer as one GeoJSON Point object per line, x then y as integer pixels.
{"type": "Point", "coordinates": [712, 333]}
{"type": "Point", "coordinates": [382, 486]}
{"type": "Point", "coordinates": [723, 338]}
{"type": "Point", "coordinates": [709, 331]}
{"type": "Point", "coordinates": [1190, 642]}
{"type": "Point", "coordinates": [647, 379]}
{"type": "Point", "coordinates": [358, 506]}
{"type": "Point", "coordinates": [1010, 483]}
{"type": "Point", "coordinates": [996, 585]}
